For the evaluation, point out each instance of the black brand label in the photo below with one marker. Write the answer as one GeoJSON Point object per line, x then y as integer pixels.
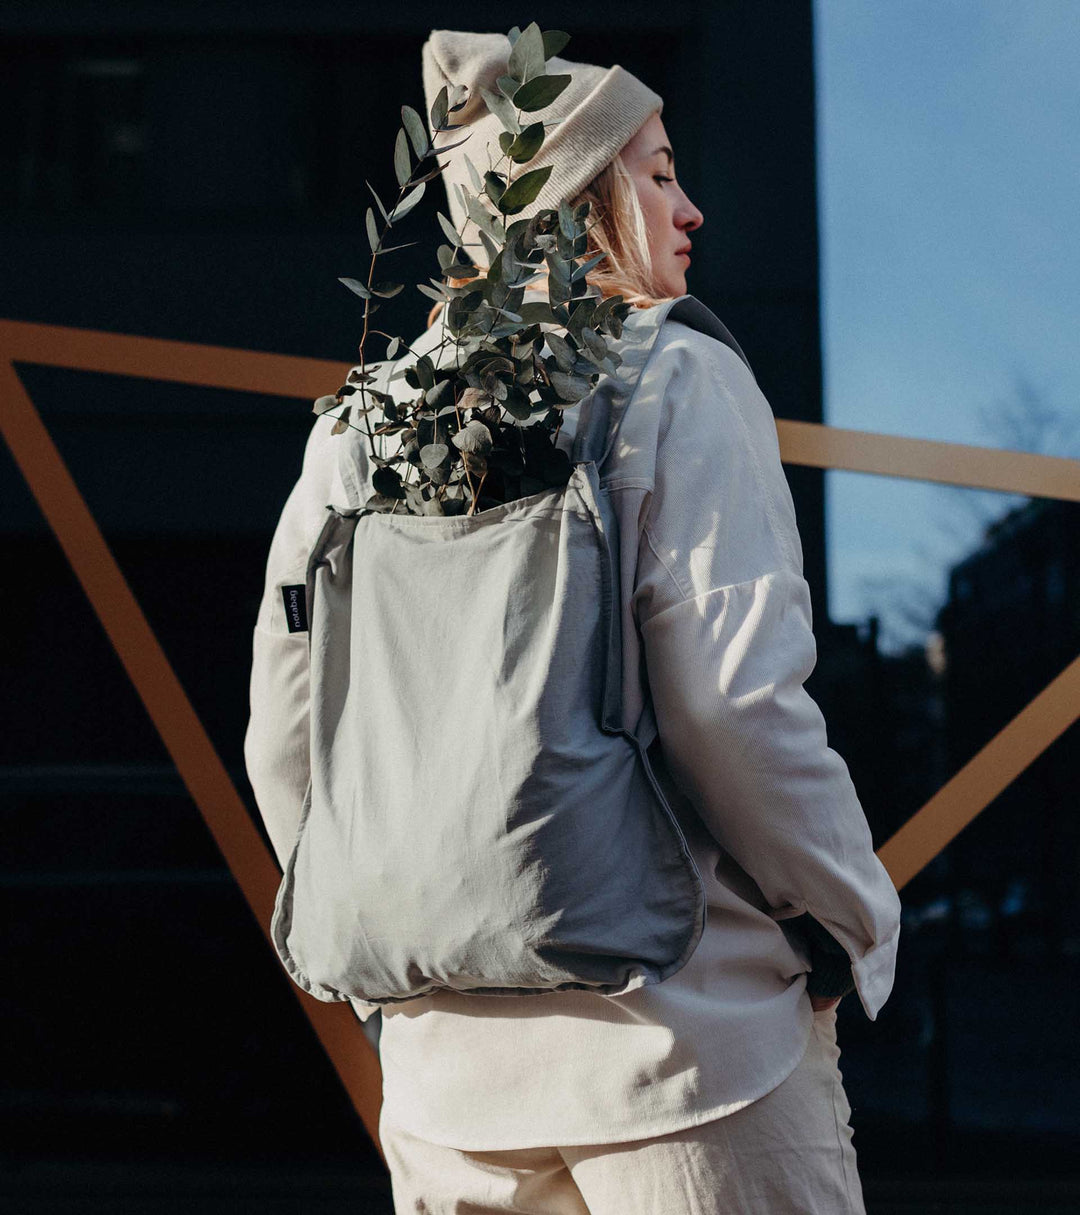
{"type": "Point", "coordinates": [295, 607]}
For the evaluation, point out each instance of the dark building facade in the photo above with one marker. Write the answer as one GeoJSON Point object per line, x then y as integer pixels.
{"type": "Point", "coordinates": [198, 172]}
{"type": "Point", "coordinates": [1010, 625]}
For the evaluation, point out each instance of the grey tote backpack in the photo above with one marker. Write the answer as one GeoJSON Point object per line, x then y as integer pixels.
{"type": "Point", "coordinates": [477, 818]}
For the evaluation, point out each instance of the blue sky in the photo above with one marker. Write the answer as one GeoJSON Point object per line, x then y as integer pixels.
{"type": "Point", "coordinates": [949, 196]}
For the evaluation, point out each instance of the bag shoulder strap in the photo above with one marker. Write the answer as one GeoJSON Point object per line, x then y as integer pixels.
{"type": "Point", "coordinates": [602, 411]}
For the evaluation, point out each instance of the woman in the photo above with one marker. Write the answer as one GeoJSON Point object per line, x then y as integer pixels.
{"type": "Point", "coordinates": [719, 1088]}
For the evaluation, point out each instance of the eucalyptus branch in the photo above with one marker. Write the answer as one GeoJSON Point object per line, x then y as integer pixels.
{"type": "Point", "coordinates": [484, 429]}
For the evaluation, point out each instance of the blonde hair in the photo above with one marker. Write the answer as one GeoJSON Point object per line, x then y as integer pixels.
{"type": "Point", "coordinates": [616, 225]}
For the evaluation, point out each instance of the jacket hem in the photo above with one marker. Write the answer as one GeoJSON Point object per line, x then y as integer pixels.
{"type": "Point", "coordinates": [652, 1128]}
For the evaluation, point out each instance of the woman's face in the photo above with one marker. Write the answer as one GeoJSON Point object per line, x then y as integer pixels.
{"type": "Point", "coordinates": [669, 215]}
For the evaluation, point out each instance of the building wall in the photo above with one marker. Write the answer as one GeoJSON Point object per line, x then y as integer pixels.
{"type": "Point", "coordinates": [197, 172]}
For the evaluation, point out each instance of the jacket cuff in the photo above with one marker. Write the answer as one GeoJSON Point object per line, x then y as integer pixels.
{"type": "Point", "coordinates": [874, 973]}
{"type": "Point", "coordinates": [835, 973]}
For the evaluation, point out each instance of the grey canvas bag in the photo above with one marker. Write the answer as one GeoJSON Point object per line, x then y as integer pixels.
{"type": "Point", "coordinates": [477, 817]}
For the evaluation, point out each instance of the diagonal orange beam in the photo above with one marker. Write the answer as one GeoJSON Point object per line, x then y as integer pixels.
{"type": "Point", "coordinates": [909, 849]}
{"type": "Point", "coordinates": [182, 732]}
{"type": "Point", "coordinates": [983, 777]}
{"type": "Point", "coordinates": [284, 375]}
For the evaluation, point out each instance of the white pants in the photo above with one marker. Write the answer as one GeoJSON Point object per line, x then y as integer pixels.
{"type": "Point", "coordinates": [789, 1152]}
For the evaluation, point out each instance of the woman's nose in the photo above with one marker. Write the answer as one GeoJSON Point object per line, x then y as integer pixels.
{"type": "Point", "coordinates": [689, 216]}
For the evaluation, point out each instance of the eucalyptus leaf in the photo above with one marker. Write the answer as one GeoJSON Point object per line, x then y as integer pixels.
{"type": "Point", "coordinates": [447, 147]}
{"type": "Point", "coordinates": [537, 312]}
{"type": "Point", "coordinates": [452, 234]}
{"type": "Point", "coordinates": [517, 406]}
{"type": "Point", "coordinates": [387, 481]}
{"type": "Point", "coordinates": [558, 293]}
{"type": "Point", "coordinates": [558, 268]}
{"type": "Point", "coordinates": [570, 387]}
{"type": "Point", "coordinates": [434, 454]}
{"type": "Point", "coordinates": [554, 41]}
{"type": "Point", "coordinates": [567, 224]}
{"type": "Point", "coordinates": [585, 267]}
{"type": "Point", "coordinates": [474, 177]}
{"type": "Point", "coordinates": [414, 124]}
{"type": "Point", "coordinates": [355, 285]}
{"type": "Point", "coordinates": [439, 395]}
{"type": "Point", "coordinates": [520, 193]}
{"type": "Point", "coordinates": [527, 144]}
{"type": "Point", "coordinates": [382, 209]}
{"type": "Point", "coordinates": [509, 267]}
{"type": "Point", "coordinates": [402, 164]}
{"type": "Point", "coordinates": [425, 371]}
{"type": "Point", "coordinates": [494, 185]}
{"type": "Point", "coordinates": [439, 109]}
{"type": "Point", "coordinates": [517, 401]}
{"type": "Point", "coordinates": [508, 86]}
{"type": "Point", "coordinates": [387, 290]}
{"type": "Point", "coordinates": [408, 202]}
{"type": "Point", "coordinates": [490, 247]}
{"type": "Point", "coordinates": [538, 94]}
{"type": "Point", "coordinates": [424, 289]}
{"type": "Point", "coordinates": [484, 219]}
{"type": "Point", "coordinates": [426, 177]}
{"type": "Point", "coordinates": [527, 56]}
{"type": "Point", "coordinates": [502, 107]}
{"type": "Point", "coordinates": [372, 230]}
{"type": "Point", "coordinates": [594, 342]}
{"type": "Point", "coordinates": [564, 354]}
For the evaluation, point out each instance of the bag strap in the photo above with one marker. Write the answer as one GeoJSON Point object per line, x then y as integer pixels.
{"type": "Point", "coordinates": [592, 442]}
{"type": "Point", "coordinates": [595, 434]}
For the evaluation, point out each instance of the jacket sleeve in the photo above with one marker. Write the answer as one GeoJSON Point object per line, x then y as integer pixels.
{"type": "Point", "coordinates": [725, 620]}
{"type": "Point", "coordinates": [276, 743]}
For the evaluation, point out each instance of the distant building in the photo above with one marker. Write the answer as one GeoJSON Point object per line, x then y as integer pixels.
{"type": "Point", "coordinates": [1010, 625]}
{"type": "Point", "coordinates": [883, 713]}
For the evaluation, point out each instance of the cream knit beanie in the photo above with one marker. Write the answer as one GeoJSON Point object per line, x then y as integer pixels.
{"type": "Point", "coordinates": [597, 114]}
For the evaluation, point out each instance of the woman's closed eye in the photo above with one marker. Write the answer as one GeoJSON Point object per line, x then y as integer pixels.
{"type": "Point", "coordinates": [660, 177]}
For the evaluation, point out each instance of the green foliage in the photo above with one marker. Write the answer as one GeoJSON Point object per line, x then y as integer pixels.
{"type": "Point", "coordinates": [481, 429]}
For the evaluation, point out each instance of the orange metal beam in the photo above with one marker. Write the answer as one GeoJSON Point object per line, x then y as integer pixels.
{"type": "Point", "coordinates": [182, 732]}
{"type": "Point", "coordinates": [200, 767]}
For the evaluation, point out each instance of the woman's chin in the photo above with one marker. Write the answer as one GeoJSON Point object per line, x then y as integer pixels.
{"type": "Point", "coordinates": [675, 283]}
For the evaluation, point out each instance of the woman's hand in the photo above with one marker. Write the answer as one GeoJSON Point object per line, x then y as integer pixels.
{"type": "Point", "coordinates": [820, 1003]}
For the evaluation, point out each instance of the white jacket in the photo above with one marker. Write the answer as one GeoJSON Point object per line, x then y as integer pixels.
{"type": "Point", "coordinates": [717, 643]}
